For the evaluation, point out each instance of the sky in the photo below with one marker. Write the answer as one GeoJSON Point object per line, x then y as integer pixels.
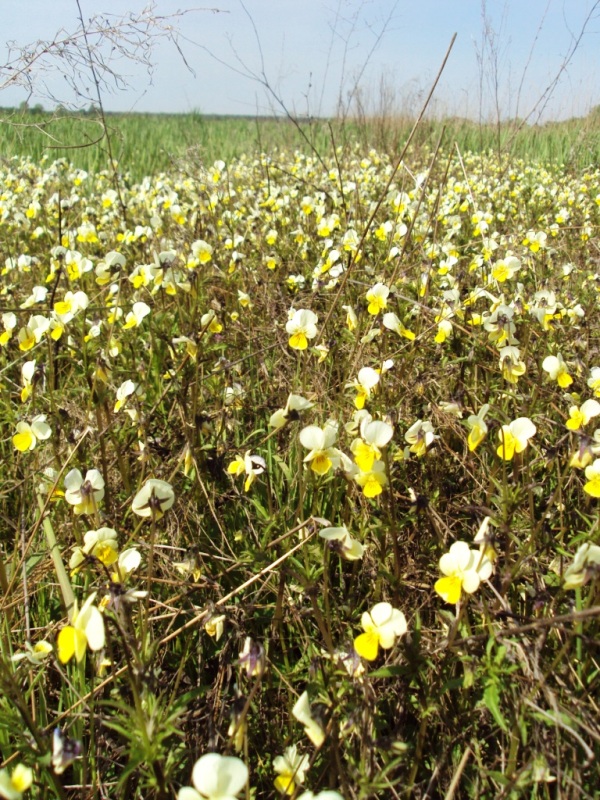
{"type": "Point", "coordinates": [317, 57]}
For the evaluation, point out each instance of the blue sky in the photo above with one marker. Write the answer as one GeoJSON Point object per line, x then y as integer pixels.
{"type": "Point", "coordinates": [315, 52]}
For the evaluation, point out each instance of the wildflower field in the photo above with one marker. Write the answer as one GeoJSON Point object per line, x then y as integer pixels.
{"type": "Point", "coordinates": [300, 478]}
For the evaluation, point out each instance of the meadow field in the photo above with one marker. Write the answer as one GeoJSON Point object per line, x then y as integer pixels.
{"type": "Point", "coordinates": [300, 460]}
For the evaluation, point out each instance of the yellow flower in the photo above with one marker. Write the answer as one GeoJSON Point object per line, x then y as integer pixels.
{"type": "Point", "coordinates": [478, 428]}
{"type": "Point", "coordinates": [292, 768]}
{"type": "Point", "coordinates": [511, 364]}
{"type": "Point", "coordinates": [377, 298]}
{"type": "Point", "coordinates": [578, 417]}
{"type": "Point", "coordinates": [365, 384]}
{"type": "Point", "coordinates": [515, 437]}
{"type": "Point", "coordinates": [463, 570]}
{"type": "Point", "coordinates": [585, 564]}
{"type": "Point", "coordinates": [27, 436]}
{"type": "Point", "coordinates": [392, 323]}
{"type": "Point", "coordinates": [592, 473]}
{"type": "Point", "coordinates": [13, 786]}
{"type": "Point", "coordinates": [86, 630]}
{"type": "Point", "coordinates": [322, 455]}
{"type": "Point", "coordinates": [301, 711]}
{"type": "Point", "coordinates": [373, 481]}
{"type": "Point", "coordinates": [382, 626]}
{"type": "Point", "coordinates": [557, 370]}
{"type": "Point", "coordinates": [248, 464]}
{"type": "Point", "coordinates": [419, 436]}
{"type": "Point", "coordinates": [302, 326]}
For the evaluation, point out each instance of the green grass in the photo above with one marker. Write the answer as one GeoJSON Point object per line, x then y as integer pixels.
{"type": "Point", "coordinates": [145, 144]}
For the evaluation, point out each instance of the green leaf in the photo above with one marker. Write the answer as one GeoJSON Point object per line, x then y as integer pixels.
{"type": "Point", "coordinates": [491, 698]}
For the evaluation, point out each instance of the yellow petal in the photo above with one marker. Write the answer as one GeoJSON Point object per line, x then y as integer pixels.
{"type": "Point", "coordinates": [285, 784]}
{"type": "Point", "coordinates": [367, 645]}
{"type": "Point", "coordinates": [23, 441]}
{"type": "Point", "coordinates": [298, 341]}
{"type": "Point", "coordinates": [66, 644]}
{"type": "Point", "coordinates": [449, 588]}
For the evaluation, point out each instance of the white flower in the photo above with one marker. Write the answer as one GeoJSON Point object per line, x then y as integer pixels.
{"type": "Point", "coordinates": [419, 436]}
{"type": "Point", "coordinates": [295, 403]}
{"type": "Point", "coordinates": [216, 777]}
{"type": "Point", "coordinates": [382, 626]}
{"type": "Point", "coordinates": [464, 569]}
{"type": "Point", "coordinates": [585, 563]}
{"type": "Point", "coordinates": [340, 538]}
{"type": "Point", "coordinates": [302, 713]}
{"type": "Point", "coordinates": [84, 494]}
{"type": "Point", "coordinates": [125, 390]}
{"type": "Point", "coordinates": [135, 317]}
{"type": "Point", "coordinates": [302, 326]}
{"type": "Point", "coordinates": [13, 786]}
{"type": "Point", "coordinates": [319, 441]}
{"type": "Point", "coordinates": [86, 629]}
{"type": "Point", "coordinates": [291, 768]}
{"type": "Point", "coordinates": [27, 436]}
{"type": "Point", "coordinates": [153, 499]}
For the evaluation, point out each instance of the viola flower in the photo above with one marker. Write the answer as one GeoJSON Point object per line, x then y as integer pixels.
{"type": "Point", "coordinates": [579, 417]}
{"type": "Point", "coordinates": [511, 365]}
{"type": "Point", "coordinates": [27, 436]}
{"type": "Point", "coordinates": [557, 370]}
{"type": "Point", "coordinates": [84, 494]}
{"type": "Point", "coordinates": [420, 436]}
{"type": "Point", "coordinates": [351, 318]}
{"type": "Point", "coordinates": [301, 711]}
{"type": "Point", "coordinates": [210, 323]}
{"type": "Point", "coordinates": [328, 794]}
{"type": "Point", "coordinates": [295, 403]}
{"type": "Point", "coordinates": [136, 316]}
{"type": "Point", "coordinates": [13, 786]}
{"type": "Point", "coordinates": [373, 481]}
{"type": "Point", "coordinates": [252, 658]}
{"type": "Point", "coordinates": [215, 626]}
{"type": "Point", "coordinates": [71, 304]}
{"type": "Point", "coordinates": [535, 240]}
{"type": "Point", "coordinates": [367, 380]}
{"type": "Point", "coordinates": [505, 268]}
{"type": "Point", "coordinates": [594, 381]}
{"type": "Point", "coordinates": [101, 544]}
{"type": "Point", "coordinates": [248, 464]}
{"type": "Point", "coordinates": [585, 565]}
{"type": "Point", "coordinates": [125, 390]}
{"type": "Point", "coordinates": [477, 428]}
{"type": "Point", "coordinates": [86, 629]}
{"type": "Point", "coordinates": [463, 570]}
{"type": "Point", "coordinates": [319, 441]}
{"type": "Point", "coordinates": [392, 323]}
{"type": "Point", "coordinates": [292, 768]}
{"type": "Point", "coordinates": [154, 498]}
{"type": "Point", "coordinates": [216, 777]}
{"type": "Point", "coordinates": [127, 562]}
{"type": "Point", "coordinates": [302, 326]}
{"type": "Point", "coordinates": [341, 541]}
{"type": "Point", "coordinates": [382, 626]}
{"type": "Point", "coordinates": [374, 436]}
{"type": "Point", "coordinates": [377, 297]}
{"type": "Point", "coordinates": [201, 252]}
{"type": "Point", "coordinates": [592, 473]}
{"type": "Point", "coordinates": [64, 751]}
{"type": "Point", "coordinates": [515, 437]}
{"type": "Point", "coordinates": [27, 376]}
{"type": "Point", "coordinates": [36, 654]}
